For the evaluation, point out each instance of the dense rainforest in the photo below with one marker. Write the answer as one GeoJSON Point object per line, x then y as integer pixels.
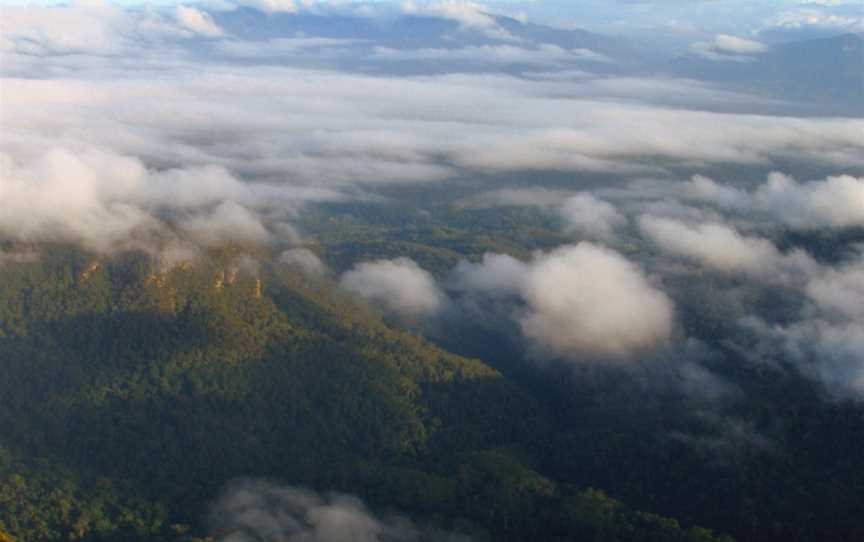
{"type": "Point", "coordinates": [133, 391]}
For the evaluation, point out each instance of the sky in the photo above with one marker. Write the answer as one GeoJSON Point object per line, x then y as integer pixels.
{"type": "Point", "coordinates": [669, 17]}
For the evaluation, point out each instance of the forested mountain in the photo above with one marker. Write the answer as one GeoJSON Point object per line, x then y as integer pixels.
{"type": "Point", "coordinates": [133, 391]}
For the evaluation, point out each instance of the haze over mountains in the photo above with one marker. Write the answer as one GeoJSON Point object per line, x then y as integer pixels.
{"type": "Point", "coordinates": [431, 271]}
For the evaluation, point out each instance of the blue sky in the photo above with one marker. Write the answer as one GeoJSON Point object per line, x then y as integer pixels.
{"type": "Point", "coordinates": [673, 21]}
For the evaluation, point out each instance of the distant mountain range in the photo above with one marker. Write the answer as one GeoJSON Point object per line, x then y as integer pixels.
{"type": "Point", "coordinates": [827, 72]}
{"type": "Point", "coordinates": [825, 75]}
{"type": "Point", "coordinates": [409, 31]}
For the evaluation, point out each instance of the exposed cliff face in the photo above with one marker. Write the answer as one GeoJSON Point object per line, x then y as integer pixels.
{"type": "Point", "coordinates": [228, 268]}
{"type": "Point", "coordinates": [89, 271]}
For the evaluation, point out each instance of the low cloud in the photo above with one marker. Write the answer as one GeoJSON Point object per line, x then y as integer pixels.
{"type": "Point", "coordinates": [40, 31]}
{"type": "Point", "coordinates": [836, 201]}
{"type": "Point", "coordinates": [258, 511]}
{"type": "Point", "coordinates": [726, 48]}
{"type": "Point", "coordinates": [817, 17]}
{"type": "Point", "coordinates": [271, 6]}
{"type": "Point", "coordinates": [102, 29]}
{"type": "Point", "coordinates": [60, 197]}
{"type": "Point", "coordinates": [101, 198]}
{"type": "Point", "coordinates": [715, 245]}
{"type": "Point", "coordinates": [284, 47]}
{"type": "Point", "coordinates": [400, 286]}
{"type": "Point", "coordinates": [591, 217]}
{"type": "Point", "coordinates": [543, 54]}
{"type": "Point", "coordinates": [722, 248]}
{"type": "Point", "coordinates": [827, 339]}
{"type": "Point", "coordinates": [198, 22]}
{"type": "Point", "coordinates": [303, 259]}
{"type": "Point", "coordinates": [705, 189]}
{"type": "Point", "coordinates": [464, 12]}
{"type": "Point", "coordinates": [229, 221]}
{"type": "Point", "coordinates": [587, 301]}
{"type": "Point", "coordinates": [580, 302]}
{"type": "Point", "coordinates": [840, 292]}
{"type": "Point", "coordinates": [734, 44]}
{"type": "Point", "coordinates": [496, 275]}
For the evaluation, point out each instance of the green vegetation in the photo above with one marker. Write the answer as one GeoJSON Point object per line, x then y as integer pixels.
{"type": "Point", "coordinates": [436, 238]}
{"type": "Point", "coordinates": [131, 395]}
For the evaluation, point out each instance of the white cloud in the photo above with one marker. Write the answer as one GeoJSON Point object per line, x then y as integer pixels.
{"type": "Point", "coordinates": [834, 202]}
{"type": "Point", "coordinates": [99, 29]}
{"type": "Point", "coordinates": [228, 221]}
{"type": "Point", "coordinates": [809, 17]}
{"type": "Point", "coordinates": [496, 274]}
{"type": "Point", "coordinates": [581, 303]}
{"type": "Point", "coordinates": [400, 286]}
{"type": "Point", "coordinates": [828, 2]}
{"type": "Point", "coordinates": [61, 30]}
{"type": "Point", "coordinates": [735, 44]}
{"type": "Point", "coordinates": [727, 48]}
{"type": "Point", "coordinates": [701, 188]}
{"type": "Point", "coordinates": [828, 340]}
{"type": "Point", "coordinates": [840, 292]}
{"type": "Point", "coordinates": [837, 201]}
{"type": "Point", "coordinates": [720, 247]}
{"type": "Point", "coordinates": [60, 197]}
{"type": "Point", "coordinates": [592, 217]}
{"type": "Point", "coordinates": [256, 510]}
{"type": "Point", "coordinates": [329, 129]}
{"type": "Point", "coordinates": [465, 12]}
{"type": "Point", "coordinates": [543, 54]}
{"type": "Point", "coordinates": [586, 302]}
{"type": "Point", "coordinates": [280, 47]}
{"type": "Point", "coordinates": [716, 245]}
{"type": "Point", "coordinates": [101, 198]}
{"type": "Point", "coordinates": [197, 21]}
{"type": "Point", "coordinates": [304, 260]}
{"type": "Point", "coordinates": [270, 6]}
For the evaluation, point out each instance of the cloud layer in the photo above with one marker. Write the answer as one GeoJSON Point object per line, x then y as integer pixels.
{"type": "Point", "coordinates": [129, 116]}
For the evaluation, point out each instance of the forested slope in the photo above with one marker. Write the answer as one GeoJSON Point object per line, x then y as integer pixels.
{"type": "Point", "coordinates": [134, 390]}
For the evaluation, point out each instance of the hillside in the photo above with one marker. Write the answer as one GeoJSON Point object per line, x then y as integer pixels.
{"type": "Point", "coordinates": [135, 390]}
